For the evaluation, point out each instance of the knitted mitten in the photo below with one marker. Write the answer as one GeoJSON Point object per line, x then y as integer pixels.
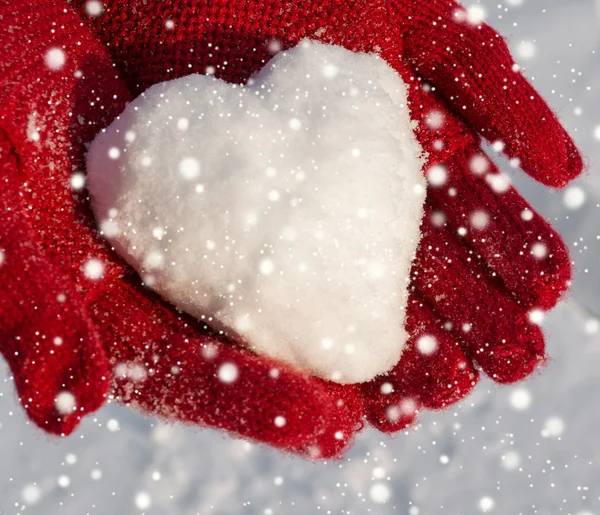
{"type": "Point", "coordinates": [76, 324]}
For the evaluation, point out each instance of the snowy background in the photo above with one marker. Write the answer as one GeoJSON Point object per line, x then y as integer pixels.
{"type": "Point", "coordinates": [528, 449]}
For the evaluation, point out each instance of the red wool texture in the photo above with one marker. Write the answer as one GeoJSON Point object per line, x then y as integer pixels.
{"type": "Point", "coordinates": [472, 288]}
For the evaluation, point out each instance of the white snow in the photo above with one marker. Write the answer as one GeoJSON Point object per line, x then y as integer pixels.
{"type": "Point", "coordinates": [77, 181]}
{"type": "Point", "coordinates": [31, 494]}
{"type": "Point", "coordinates": [65, 403]}
{"type": "Point", "coordinates": [475, 14]}
{"type": "Point", "coordinates": [143, 501]}
{"type": "Point", "coordinates": [520, 399]}
{"type": "Point", "coordinates": [553, 427]}
{"type": "Point", "coordinates": [64, 481]}
{"type": "Point", "coordinates": [427, 344]}
{"type": "Point", "coordinates": [526, 50]}
{"type": "Point", "coordinates": [228, 372]}
{"type": "Point", "coordinates": [574, 197]}
{"type": "Point", "coordinates": [287, 209]}
{"type": "Point", "coordinates": [437, 176]}
{"type": "Point", "coordinates": [55, 59]}
{"type": "Point", "coordinates": [93, 269]}
{"type": "Point", "coordinates": [380, 493]}
{"type": "Point", "coordinates": [93, 8]}
{"type": "Point", "coordinates": [479, 219]}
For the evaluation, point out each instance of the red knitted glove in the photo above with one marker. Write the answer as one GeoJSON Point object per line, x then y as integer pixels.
{"type": "Point", "coordinates": [75, 323]}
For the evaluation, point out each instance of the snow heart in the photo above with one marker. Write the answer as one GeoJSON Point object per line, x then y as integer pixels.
{"type": "Point", "coordinates": [284, 212]}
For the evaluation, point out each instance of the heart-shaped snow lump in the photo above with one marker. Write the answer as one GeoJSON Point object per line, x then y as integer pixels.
{"type": "Point", "coordinates": [285, 212]}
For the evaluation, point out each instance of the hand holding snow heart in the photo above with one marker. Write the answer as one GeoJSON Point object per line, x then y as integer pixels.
{"type": "Point", "coordinates": [76, 323]}
{"type": "Point", "coordinates": [286, 211]}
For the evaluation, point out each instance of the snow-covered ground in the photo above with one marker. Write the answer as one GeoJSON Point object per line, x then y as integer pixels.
{"type": "Point", "coordinates": [527, 449]}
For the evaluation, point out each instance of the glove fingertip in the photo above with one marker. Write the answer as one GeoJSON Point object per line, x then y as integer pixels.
{"type": "Point", "coordinates": [394, 414]}
{"type": "Point", "coordinates": [553, 167]}
{"type": "Point", "coordinates": [58, 407]}
{"type": "Point", "coordinates": [515, 361]}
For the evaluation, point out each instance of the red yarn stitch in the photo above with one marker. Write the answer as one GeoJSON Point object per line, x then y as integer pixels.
{"type": "Point", "coordinates": [472, 292]}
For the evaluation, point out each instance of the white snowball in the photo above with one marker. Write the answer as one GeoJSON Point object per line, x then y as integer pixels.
{"type": "Point", "coordinates": [304, 265]}
{"type": "Point", "coordinates": [65, 403]}
{"type": "Point", "coordinates": [280, 421]}
{"type": "Point", "coordinates": [55, 58]}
